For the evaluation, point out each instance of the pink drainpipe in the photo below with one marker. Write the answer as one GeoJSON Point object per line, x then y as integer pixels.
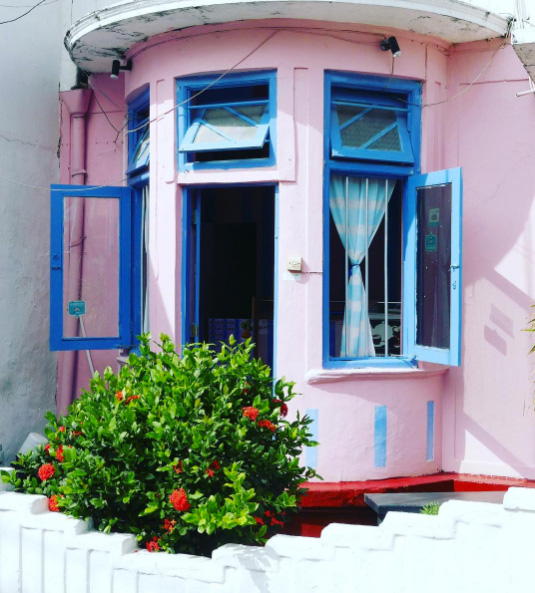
{"type": "Point", "coordinates": [76, 103]}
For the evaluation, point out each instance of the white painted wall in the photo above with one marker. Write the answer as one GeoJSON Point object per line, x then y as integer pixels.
{"type": "Point", "coordinates": [29, 132]}
{"type": "Point", "coordinates": [468, 547]}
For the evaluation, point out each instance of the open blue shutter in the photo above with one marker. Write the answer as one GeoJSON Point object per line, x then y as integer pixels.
{"type": "Point", "coordinates": [432, 291]}
{"type": "Point", "coordinates": [90, 268]}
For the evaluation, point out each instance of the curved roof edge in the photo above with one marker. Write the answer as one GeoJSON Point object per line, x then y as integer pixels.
{"type": "Point", "coordinates": [108, 33]}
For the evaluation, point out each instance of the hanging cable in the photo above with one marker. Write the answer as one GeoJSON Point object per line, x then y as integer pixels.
{"type": "Point", "coordinates": [24, 14]}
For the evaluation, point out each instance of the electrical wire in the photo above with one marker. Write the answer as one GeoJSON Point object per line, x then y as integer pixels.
{"type": "Point", "coordinates": [24, 14]}
{"type": "Point", "coordinates": [203, 90]}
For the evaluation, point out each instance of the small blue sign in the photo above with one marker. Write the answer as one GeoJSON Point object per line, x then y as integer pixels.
{"type": "Point", "coordinates": [76, 308]}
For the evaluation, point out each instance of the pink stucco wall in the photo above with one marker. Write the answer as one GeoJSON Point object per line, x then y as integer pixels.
{"type": "Point", "coordinates": [484, 415]}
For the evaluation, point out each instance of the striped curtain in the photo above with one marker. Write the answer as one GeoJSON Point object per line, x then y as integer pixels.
{"type": "Point", "coordinates": [357, 206]}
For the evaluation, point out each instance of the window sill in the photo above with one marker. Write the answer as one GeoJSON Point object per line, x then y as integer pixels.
{"type": "Point", "coordinates": [370, 373]}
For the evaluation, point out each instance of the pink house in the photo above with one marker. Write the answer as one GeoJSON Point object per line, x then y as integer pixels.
{"type": "Point", "coordinates": [351, 183]}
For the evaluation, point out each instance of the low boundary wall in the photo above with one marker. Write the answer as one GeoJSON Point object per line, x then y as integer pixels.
{"type": "Point", "coordinates": [468, 547]}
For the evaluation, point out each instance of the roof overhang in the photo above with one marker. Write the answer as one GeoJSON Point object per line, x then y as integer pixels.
{"type": "Point", "coordinates": [108, 34]}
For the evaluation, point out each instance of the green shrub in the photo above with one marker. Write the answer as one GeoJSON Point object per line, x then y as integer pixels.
{"type": "Point", "coordinates": [431, 509]}
{"type": "Point", "coordinates": [187, 453]}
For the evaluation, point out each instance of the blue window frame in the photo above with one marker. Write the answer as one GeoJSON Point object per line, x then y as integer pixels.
{"type": "Point", "coordinates": [228, 123]}
{"type": "Point", "coordinates": [370, 126]}
{"type": "Point", "coordinates": [138, 137]}
{"type": "Point", "coordinates": [90, 268]}
{"type": "Point", "coordinates": [392, 236]}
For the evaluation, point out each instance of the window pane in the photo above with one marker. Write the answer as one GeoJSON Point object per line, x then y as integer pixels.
{"type": "Point", "coordinates": [228, 125]}
{"type": "Point", "coordinates": [364, 267]}
{"type": "Point", "coordinates": [91, 267]}
{"type": "Point", "coordinates": [433, 266]}
{"type": "Point", "coordinates": [367, 127]}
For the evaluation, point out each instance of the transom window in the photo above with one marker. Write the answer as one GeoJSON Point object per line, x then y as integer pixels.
{"type": "Point", "coordinates": [227, 123]}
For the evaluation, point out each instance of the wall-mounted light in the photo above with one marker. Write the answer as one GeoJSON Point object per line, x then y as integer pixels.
{"type": "Point", "coordinates": [116, 67]}
{"type": "Point", "coordinates": [391, 44]}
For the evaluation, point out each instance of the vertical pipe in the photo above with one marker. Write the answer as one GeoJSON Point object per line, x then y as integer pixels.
{"type": "Point", "coordinates": [386, 267]}
{"type": "Point", "coordinates": [76, 103]}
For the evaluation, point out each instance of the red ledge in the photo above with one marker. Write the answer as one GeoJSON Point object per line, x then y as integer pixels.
{"type": "Point", "coordinates": [332, 495]}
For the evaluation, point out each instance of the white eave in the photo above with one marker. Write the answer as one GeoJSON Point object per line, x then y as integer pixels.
{"type": "Point", "coordinates": [524, 45]}
{"type": "Point", "coordinates": [107, 34]}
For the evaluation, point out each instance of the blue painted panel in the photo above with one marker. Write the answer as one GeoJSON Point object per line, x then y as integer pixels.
{"type": "Point", "coordinates": [124, 339]}
{"type": "Point", "coordinates": [379, 447]}
{"type": "Point", "coordinates": [448, 356]}
{"type": "Point", "coordinates": [311, 453]}
{"type": "Point", "coordinates": [430, 442]}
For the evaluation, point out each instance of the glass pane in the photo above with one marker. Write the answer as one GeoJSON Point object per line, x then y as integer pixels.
{"type": "Point", "coordinates": [389, 141]}
{"type": "Point", "coordinates": [90, 267]}
{"type": "Point", "coordinates": [361, 131]}
{"type": "Point", "coordinates": [141, 153]}
{"type": "Point", "coordinates": [230, 124]}
{"type": "Point", "coordinates": [433, 266]}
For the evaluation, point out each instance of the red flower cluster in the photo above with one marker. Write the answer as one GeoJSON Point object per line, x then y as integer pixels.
{"type": "Point", "coordinates": [46, 471]}
{"type": "Point", "coordinates": [61, 429]}
{"type": "Point", "coordinates": [153, 545]}
{"type": "Point", "coordinates": [169, 525]}
{"type": "Point", "coordinates": [119, 396]}
{"type": "Point", "coordinates": [179, 500]}
{"type": "Point", "coordinates": [76, 433]}
{"type": "Point", "coordinates": [250, 412]}
{"type": "Point", "coordinates": [59, 453]}
{"type": "Point", "coordinates": [47, 448]}
{"type": "Point", "coordinates": [179, 467]}
{"type": "Point", "coordinates": [53, 503]}
{"type": "Point", "coordinates": [273, 520]}
{"type": "Point", "coordinates": [129, 399]}
{"type": "Point", "coordinates": [284, 407]}
{"type": "Point", "coordinates": [259, 521]}
{"type": "Point", "coordinates": [267, 424]}
{"type": "Point", "coordinates": [214, 466]}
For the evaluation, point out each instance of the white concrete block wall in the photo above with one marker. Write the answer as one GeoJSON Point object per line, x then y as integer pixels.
{"type": "Point", "coordinates": [468, 547]}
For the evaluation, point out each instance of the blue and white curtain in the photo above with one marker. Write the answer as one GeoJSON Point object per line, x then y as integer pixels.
{"type": "Point", "coordinates": [357, 206]}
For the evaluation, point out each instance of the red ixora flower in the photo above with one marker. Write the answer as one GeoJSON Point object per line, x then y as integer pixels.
{"type": "Point", "coordinates": [267, 424]}
{"type": "Point", "coordinates": [119, 396]}
{"type": "Point", "coordinates": [169, 525]}
{"type": "Point", "coordinates": [153, 545]}
{"type": "Point", "coordinates": [53, 503]}
{"type": "Point", "coordinates": [46, 471]}
{"type": "Point", "coordinates": [179, 500]}
{"type": "Point", "coordinates": [250, 412]}
{"type": "Point", "coordinates": [59, 453]}
{"type": "Point", "coordinates": [47, 448]}
{"type": "Point", "coordinates": [179, 467]}
{"type": "Point", "coordinates": [76, 433]}
{"type": "Point", "coordinates": [61, 429]}
{"type": "Point", "coordinates": [259, 521]}
{"type": "Point", "coordinates": [214, 466]}
{"type": "Point", "coordinates": [273, 520]}
{"type": "Point", "coordinates": [284, 407]}
{"type": "Point", "coordinates": [129, 399]}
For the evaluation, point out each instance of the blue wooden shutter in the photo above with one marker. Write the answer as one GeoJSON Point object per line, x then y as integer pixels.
{"type": "Point", "coordinates": [432, 290]}
{"type": "Point", "coordinates": [90, 268]}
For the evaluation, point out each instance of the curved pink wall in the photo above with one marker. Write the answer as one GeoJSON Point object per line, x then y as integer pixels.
{"type": "Point", "coordinates": [483, 422]}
